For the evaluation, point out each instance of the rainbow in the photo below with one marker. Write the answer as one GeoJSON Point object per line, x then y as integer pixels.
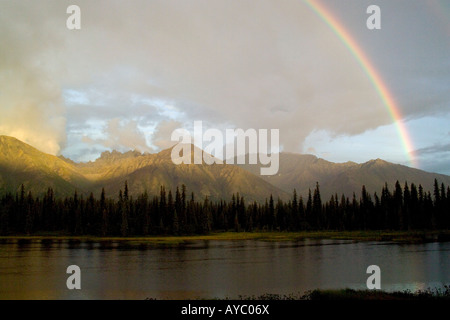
{"type": "Point", "coordinates": [375, 78]}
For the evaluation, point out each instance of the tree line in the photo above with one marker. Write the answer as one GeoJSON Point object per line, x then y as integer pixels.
{"type": "Point", "coordinates": [406, 207]}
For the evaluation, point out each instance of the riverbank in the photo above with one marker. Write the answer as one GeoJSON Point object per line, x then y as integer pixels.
{"type": "Point", "coordinates": [353, 295]}
{"type": "Point", "coordinates": [390, 236]}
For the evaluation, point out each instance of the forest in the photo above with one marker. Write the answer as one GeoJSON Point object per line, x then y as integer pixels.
{"type": "Point", "coordinates": [406, 207]}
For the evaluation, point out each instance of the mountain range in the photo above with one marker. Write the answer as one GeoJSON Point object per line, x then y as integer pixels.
{"type": "Point", "coordinates": [21, 163]}
{"type": "Point", "coordinates": [303, 171]}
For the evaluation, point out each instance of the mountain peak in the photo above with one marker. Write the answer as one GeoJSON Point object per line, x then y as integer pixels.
{"type": "Point", "coordinates": [9, 140]}
{"type": "Point", "coordinates": [195, 152]}
{"type": "Point", "coordinates": [115, 155]}
{"type": "Point", "coordinates": [10, 146]}
{"type": "Point", "coordinates": [376, 162]}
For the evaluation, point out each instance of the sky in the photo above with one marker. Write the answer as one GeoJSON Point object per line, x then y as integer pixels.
{"type": "Point", "coordinates": [138, 70]}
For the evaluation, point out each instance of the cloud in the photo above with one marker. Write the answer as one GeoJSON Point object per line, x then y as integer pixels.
{"type": "Point", "coordinates": [439, 148]}
{"type": "Point", "coordinates": [435, 158]}
{"type": "Point", "coordinates": [31, 104]}
{"type": "Point", "coordinates": [121, 135]}
{"type": "Point", "coordinates": [439, 165]}
{"type": "Point", "coordinates": [161, 138]}
{"type": "Point", "coordinates": [273, 65]}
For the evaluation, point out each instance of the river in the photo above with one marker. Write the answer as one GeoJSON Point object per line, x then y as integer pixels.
{"type": "Point", "coordinates": [36, 269]}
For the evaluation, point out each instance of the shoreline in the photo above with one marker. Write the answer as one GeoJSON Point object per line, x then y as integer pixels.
{"type": "Point", "coordinates": [389, 236]}
{"type": "Point", "coordinates": [347, 294]}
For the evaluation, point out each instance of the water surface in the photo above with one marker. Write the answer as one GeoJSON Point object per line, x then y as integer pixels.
{"type": "Point", "coordinates": [36, 269]}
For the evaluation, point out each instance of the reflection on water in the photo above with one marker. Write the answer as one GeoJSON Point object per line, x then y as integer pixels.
{"type": "Point", "coordinates": [36, 269]}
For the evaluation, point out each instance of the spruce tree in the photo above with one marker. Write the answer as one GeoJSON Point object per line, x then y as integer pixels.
{"type": "Point", "coordinates": [398, 205]}
{"type": "Point", "coordinates": [309, 212]}
{"type": "Point", "coordinates": [272, 217]}
{"type": "Point", "coordinates": [317, 208]}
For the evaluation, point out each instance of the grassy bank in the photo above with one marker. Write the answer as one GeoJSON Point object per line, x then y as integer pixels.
{"type": "Point", "coordinates": [392, 236]}
{"type": "Point", "coordinates": [350, 294]}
